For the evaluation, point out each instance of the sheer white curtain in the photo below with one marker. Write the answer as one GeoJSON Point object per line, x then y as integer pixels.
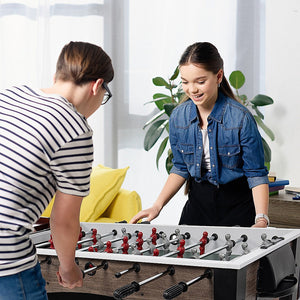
{"type": "Point", "coordinates": [32, 33]}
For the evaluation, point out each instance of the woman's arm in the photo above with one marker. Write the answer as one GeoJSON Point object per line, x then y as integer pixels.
{"type": "Point", "coordinates": [261, 202]}
{"type": "Point", "coordinates": [171, 187]}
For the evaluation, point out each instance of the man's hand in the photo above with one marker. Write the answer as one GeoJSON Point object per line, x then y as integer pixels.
{"type": "Point", "coordinates": [70, 278]}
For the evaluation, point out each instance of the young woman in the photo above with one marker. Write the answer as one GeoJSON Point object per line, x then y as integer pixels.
{"type": "Point", "coordinates": [216, 147]}
{"type": "Point", "coordinates": [46, 149]}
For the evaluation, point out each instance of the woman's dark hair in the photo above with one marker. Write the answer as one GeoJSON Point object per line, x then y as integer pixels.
{"type": "Point", "coordinates": [206, 55]}
{"type": "Point", "coordinates": [81, 62]}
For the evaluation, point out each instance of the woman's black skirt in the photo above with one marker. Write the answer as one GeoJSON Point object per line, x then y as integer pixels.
{"type": "Point", "coordinates": [229, 204]}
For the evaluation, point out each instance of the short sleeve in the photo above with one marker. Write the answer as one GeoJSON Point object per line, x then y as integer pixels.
{"type": "Point", "coordinates": [72, 164]}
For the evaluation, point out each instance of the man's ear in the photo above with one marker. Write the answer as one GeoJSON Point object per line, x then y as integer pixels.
{"type": "Point", "coordinates": [97, 85]}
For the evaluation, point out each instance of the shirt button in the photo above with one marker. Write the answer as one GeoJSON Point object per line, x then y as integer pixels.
{"type": "Point", "coordinates": [213, 166]}
{"type": "Point", "coordinates": [228, 153]}
{"type": "Point", "coordinates": [209, 130]}
{"type": "Point", "coordinates": [197, 165]}
{"type": "Point", "coordinates": [211, 148]}
{"type": "Point", "coordinates": [181, 151]}
{"type": "Point", "coordinates": [200, 148]}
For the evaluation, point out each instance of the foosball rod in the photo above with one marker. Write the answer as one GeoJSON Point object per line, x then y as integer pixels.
{"type": "Point", "coordinates": [100, 236]}
{"type": "Point", "coordinates": [136, 267]}
{"type": "Point", "coordinates": [103, 265]}
{"type": "Point", "coordinates": [213, 237]}
{"type": "Point", "coordinates": [176, 290]}
{"type": "Point", "coordinates": [243, 238]}
{"type": "Point", "coordinates": [104, 244]}
{"type": "Point", "coordinates": [133, 287]}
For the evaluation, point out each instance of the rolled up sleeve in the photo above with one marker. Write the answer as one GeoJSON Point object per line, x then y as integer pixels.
{"type": "Point", "coordinates": [253, 153]}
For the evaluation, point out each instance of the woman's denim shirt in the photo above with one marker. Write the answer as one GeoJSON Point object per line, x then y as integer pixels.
{"type": "Point", "coordinates": [235, 144]}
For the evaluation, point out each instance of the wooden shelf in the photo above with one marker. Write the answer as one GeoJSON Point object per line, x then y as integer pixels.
{"type": "Point", "coordinates": [284, 212]}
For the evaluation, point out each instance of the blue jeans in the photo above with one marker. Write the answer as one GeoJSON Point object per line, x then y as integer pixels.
{"type": "Point", "coordinates": [26, 285]}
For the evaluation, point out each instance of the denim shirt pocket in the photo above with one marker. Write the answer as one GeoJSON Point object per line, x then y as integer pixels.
{"type": "Point", "coordinates": [230, 156]}
{"type": "Point", "coordinates": [187, 152]}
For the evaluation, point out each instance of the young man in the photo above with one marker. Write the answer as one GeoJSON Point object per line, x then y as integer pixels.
{"type": "Point", "coordinates": [46, 148]}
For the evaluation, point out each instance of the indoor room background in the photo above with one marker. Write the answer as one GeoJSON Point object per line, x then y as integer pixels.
{"type": "Point", "coordinates": [145, 39]}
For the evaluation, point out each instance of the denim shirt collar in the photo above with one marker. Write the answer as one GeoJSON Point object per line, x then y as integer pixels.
{"type": "Point", "coordinates": [217, 112]}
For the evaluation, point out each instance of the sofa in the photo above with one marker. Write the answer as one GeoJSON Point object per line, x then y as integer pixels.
{"type": "Point", "coordinates": [107, 202]}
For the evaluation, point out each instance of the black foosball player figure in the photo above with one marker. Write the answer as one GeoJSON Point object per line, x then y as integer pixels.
{"type": "Point", "coordinates": [217, 150]}
{"type": "Point", "coordinates": [46, 150]}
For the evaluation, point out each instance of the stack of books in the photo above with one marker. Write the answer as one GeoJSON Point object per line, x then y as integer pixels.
{"type": "Point", "coordinates": [277, 185]}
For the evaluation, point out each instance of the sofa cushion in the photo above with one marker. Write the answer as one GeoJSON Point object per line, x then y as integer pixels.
{"type": "Point", "coordinates": [105, 185]}
{"type": "Point", "coordinates": [125, 205]}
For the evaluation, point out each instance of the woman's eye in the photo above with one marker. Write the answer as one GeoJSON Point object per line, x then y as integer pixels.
{"type": "Point", "coordinates": [201, 82]}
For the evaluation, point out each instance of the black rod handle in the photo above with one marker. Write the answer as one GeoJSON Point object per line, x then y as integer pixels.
{"type": "Point", "coordinates": [126, 290]}
{"type": "Point", "coordinates": [175, 290]}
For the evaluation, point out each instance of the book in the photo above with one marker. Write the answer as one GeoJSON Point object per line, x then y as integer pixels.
{"type": "Point", "coordinates": [276, 188]}
{"type": "Point", "coordinates": [272, 178]}
{"type": "Point", "coordinates": [279, 182]}
{"type": "Point", "coordinates": [292, 190]}
{"type": "Point", "coordinates": [277, 185]}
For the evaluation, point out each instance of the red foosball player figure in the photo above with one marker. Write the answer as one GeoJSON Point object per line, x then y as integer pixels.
{"type": "Point", "coordinates": [94, 232]}
{"type": "Point", "coordinates": [155, 252]}
{"type": "Point", "coordinates": [140, 241]}
{"type": "Point", "coordinates": [92, 249]}
{"type": "Point", "coordinates": [79, 246]}
{"type": "Point", "coordinates": [51, 242]}
{"type": "Point", "coordinates": [108, 247]}
{"type": "Point", "coordinates": [181, 248]}
{"type": "Point", "coordinates": [153, 236]}
{"type": "Point", "coordinates": [203, 241]}
{"type": "Point", "coordinates": [125, 245]}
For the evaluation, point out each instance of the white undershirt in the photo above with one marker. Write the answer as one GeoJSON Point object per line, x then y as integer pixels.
{"type": "Point", "coordinates": [206, 154]}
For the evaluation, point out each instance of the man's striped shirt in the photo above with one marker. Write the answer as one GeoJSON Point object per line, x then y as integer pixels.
{"type": "Point", "coordinates": [45, 145]}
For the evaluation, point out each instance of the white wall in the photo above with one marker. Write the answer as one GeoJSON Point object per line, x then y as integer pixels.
{"type": "Point", "coordinates": [281, 47]}
{"type": "Point", "coordinates": [282, 84]}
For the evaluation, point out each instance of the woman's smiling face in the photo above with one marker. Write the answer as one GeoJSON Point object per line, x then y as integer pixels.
{"type": "Point", "coordinates": [200, 85]}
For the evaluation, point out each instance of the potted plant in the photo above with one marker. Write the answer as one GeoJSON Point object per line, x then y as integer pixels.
{"type": "Point", "coordinates": [159, 123]}
{"type": "Point", "coordinates": [237, 80]}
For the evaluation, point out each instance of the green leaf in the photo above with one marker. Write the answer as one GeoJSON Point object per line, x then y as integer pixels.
{"type": "Point", "coordinates": [161, 150]}
{"type": "Point", "coordinates": [159, 81]}
{"type": "Point", "coordinates": [261, 100]}
{"type": "Point", "coordinates": [168, 107]}
{"type": "Point", "coordinates": [265, 128]}
{"type": "Point", "coordinates": [258, 112]}
{"type": "Point", "coordinates": [169, 163]}
{"type": "Point", "coordinates": [154, 118]}
{"type": "Point", "coordinates": [161, 99]}
{"type": "Point", "coordinates": [237, 79]}
{"type": "Point", "coordinates": [175, 74]}
{"type": "Point", "coordinates": [153, 133]}
{"type": "Point", "coordinates": [267, 151]}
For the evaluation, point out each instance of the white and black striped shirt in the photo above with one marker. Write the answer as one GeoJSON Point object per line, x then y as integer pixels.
{"type": "Point", "coordinates": [45, 145]}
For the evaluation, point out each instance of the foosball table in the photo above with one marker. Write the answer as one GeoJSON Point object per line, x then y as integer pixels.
{"type": "Point", "coordinates": [145, 261]}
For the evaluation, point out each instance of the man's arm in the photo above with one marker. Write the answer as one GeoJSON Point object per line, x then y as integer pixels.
{"type": "Point", "coordinates": [65, 229]}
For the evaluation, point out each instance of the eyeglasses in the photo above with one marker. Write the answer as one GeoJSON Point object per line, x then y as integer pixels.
{"type": "Point", "coordinates": [107, 95]}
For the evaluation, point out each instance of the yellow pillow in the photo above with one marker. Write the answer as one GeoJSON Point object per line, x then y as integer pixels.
{"type": "Point", "coordinates": [125, 205]}
{"type": "Point", "coordinates": [105, 185]}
